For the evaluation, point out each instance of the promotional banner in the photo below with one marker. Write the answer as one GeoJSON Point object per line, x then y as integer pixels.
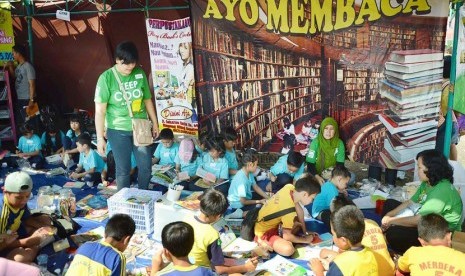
{"type": "Point", "coordinates": [170, 45]}
{"type": "Point", "coordinates": [275, 69]}
{"type": "Point", "coordinates": [6, 36]}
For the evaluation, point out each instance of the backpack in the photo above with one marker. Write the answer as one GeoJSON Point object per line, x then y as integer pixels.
{"type": "Point", "coordinates": [250, 219]}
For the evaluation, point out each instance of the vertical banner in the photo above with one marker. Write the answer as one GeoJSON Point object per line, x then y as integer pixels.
{"type": "Point", "coordinates": [274, 70]}
{"type": "Point", "coordinates": [459, 90]}
{"type": "Point", "coordinates": [171, 59]}
{"type": "Point", "coordinates": [6, 36]}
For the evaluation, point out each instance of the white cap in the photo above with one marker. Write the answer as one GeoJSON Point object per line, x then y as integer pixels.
{"type": "Point", "coordinates": [18, 182]}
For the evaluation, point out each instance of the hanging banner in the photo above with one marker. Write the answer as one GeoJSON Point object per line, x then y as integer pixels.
{"type": "Point", "coordinates": [459, 90]}
{"type": "Point", "coordinates": [275, 69]}
{"type": "Point", "coordinates": [170, 45]}
{"type": "Point", "coordinates": [6, 35]}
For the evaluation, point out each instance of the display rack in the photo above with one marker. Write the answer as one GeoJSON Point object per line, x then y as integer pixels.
{"type": "Point", "coordinates": [7, 117]}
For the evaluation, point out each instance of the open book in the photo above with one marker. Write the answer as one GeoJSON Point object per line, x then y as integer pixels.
{"type": "Point", "coordinates": [231, 245]}
{"type": "Point", "coordinates": [191, 202]}
{"type": "Point", "coordinates": [280, 266]}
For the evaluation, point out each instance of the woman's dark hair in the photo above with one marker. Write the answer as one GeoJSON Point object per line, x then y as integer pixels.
{"type": "Point", "coordinates": [248, 155]}
{"type": "Point", "coordinates": [216, 143]}
{"type": "Point", "coordinates": [127, 52]}
{"type": "Point", "coordinates": [437, 166]}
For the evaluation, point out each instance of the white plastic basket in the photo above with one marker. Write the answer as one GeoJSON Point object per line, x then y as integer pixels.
{"type": "Point", "coordinates": [141, 213]}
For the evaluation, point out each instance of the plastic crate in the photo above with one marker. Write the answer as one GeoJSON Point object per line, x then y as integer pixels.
{"type": "Point", "coordinates": [141, 213]}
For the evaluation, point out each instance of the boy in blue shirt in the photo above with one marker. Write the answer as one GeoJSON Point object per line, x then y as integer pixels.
{"type": "Point", "coordinates": [105, 257]}
{"type": "Point", "coordinates": [177, 239]}
{"type": "Point", "coordinates": [30, 147]}
{"type": "Point", "coordinates": [288, 168]}
{"type": "Point", "coordinates": [340, 176]}
{"type": "Point", "coordinates": [167, 149]}
{"type": "Point", "coordinates": [230, 138]}
{"type": "Point", "coordinates": [90, 163]}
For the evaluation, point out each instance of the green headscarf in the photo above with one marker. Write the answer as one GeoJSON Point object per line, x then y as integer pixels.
{"type": "Point", "coordinates": [326, 147]}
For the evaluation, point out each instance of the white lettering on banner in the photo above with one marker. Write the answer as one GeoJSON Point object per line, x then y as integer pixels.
{"type": "Point", "coordinates": [136, 93]}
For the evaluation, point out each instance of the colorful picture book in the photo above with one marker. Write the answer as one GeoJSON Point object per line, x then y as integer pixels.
{"type": "Point", "coordinates": [191, 202]}
{"type": "Point", "coordinates": [92, 235]}
{"type": "Point", "coordinates": [205, 175]}
{"type": "Point", "coordinates": [231, 245]}
{"type": "Point", "coordinates": [280, 266]}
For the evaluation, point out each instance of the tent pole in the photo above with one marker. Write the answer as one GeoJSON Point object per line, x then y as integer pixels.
{"type": "Point", "coordinates": [450, 102]}
{"type": "Point", "coordinates": [29, 10]}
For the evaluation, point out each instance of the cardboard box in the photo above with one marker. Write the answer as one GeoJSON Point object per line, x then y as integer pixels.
{"type": "Point", "coordinates": [458, 241]}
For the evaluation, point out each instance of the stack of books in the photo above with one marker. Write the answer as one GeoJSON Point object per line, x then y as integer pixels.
{"type": "Point", "coordinates": [412, 90]}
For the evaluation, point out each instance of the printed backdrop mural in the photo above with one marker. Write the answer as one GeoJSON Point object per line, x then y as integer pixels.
{"type": "Point", "coordinates": [170, 46]}
{"type": "Point", "coordinates": [274, 69]}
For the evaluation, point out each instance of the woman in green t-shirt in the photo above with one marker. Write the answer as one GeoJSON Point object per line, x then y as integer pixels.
{"type": "Point", "coordinates": [111, 110]}
{"type": "Point", "coordinates": [436, 194]}
{"type": "Point", "coordinates": [326, 151]}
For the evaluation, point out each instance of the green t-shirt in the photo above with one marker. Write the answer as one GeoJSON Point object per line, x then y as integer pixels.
{"type": "Point", "coordinates": [442, 199]}
{"type": "Point", "coordinates": [339, 155]}
{"type": "Point", "coordinates": [108, 91]}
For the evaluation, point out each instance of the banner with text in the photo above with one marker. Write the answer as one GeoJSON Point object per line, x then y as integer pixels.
{"type": "Point", "coordinates": [6, 35]}
{"type": "Point", "coordinates": [275, 69]}
{"type": "Point", "coordinates": [170, 46]}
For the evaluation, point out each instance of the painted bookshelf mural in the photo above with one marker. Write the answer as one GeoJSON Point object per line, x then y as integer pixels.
{"type": "Point", "coordinates": [275, 69]}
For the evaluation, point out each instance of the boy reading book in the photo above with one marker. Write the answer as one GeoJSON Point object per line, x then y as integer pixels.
{"type": "Point", "coordinates": [373, 238]}
{"type": "Point", "coordinates": [16, 244]}
{"type": "Point", "coordinates": [207, 248]}
{"type": "Point", "coordinates": [90, 163]}
{"type": "Point", "coordinates": [290, 196]}
{"type": "Point", "coordinates": [105, 257]}
{"type": "Point", "coordinates": [167, 149]}
{"type": "Point", "coordinates": [347, 228]}
{"type": "Point", "coordinates": [288, 168]}
{"type": "Point", "coordinates": [435, 257]}
{"type": "Point", "coordinates": [177, 239]}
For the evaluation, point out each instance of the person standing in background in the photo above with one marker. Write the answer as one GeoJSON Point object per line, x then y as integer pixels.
{"type": "Point", "coordinates": [111, 108]}
{"type": "Point", "coordinates": [25, 82]}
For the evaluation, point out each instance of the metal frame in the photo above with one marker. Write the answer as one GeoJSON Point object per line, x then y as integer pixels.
{"type": "Point", "coordinates": [41, 8]}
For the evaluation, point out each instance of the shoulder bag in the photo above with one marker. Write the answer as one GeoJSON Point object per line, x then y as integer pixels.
{"type": "Point", "coordinates": [141, 128]}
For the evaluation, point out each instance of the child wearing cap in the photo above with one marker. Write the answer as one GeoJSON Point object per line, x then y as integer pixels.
{"type": "Point", "coordinates": [16, 244]}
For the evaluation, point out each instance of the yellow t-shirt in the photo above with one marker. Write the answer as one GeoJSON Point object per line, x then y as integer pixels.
{"type": "Point", "coordinates": [206, 239]}
{"type": "Point", "coordinates": [282, 200]}
{"type": "Point", "coordinates": [374, 239]}
{"type": "Point", "coordinates": [432, 260]}
{"type": "Point", "coordinates": [354, 262]}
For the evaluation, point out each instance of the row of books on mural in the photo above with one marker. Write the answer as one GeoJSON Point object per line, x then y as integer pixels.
{"type": "Point", "coordinates": [412, 89]}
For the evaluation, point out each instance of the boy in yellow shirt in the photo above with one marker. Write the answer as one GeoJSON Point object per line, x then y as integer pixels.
{"type": "Point", "coordinates": [373, 238]}
{"type": "Point", "coordinates": [435, 257]}
{"type": "Point", "coordinates": [348, 228]}
{"type": "Point", "coordinates": [206, 250]}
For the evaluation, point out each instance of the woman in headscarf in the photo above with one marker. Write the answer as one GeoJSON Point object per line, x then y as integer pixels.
{"type": "Point", "coordinates": [326, 151]}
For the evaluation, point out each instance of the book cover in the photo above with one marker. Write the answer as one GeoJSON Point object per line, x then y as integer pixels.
{"type": "Point", "coordinates": [404, 155]}
{"type": "Point", "coordinates": [387, 161]}
{"type": "Point", "coordinates": [408, 142]}
{"type": "Point", "coordinates": [205, 175]}
{"type": "Point", "coordinates": [280, 266]}
{"type": "Point", "coordinates": [91, 235]}
{"type": "Point", "coordinates": [231, 245]}
{"type": "Point", "coordinates": [408, 76]}
{"type": "Point", "coordinates": [433, 97]}
{"type": "Point", "coordinates": [417, 55]}
{"type": "Point", "coordinates": [410, 91]}
{"type": "Point", "coordinates": [413, 67]}
{"type": "Point", "coordinates": [414, 81]}
{"type": "Point", "coordinates": [74, 184]}
{"type": "Point", "coordinates": [394, 128]}
{"type": "Point", "coordinates": [191, 202]}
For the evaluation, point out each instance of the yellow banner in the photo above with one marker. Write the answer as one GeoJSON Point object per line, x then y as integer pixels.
{"type": "Point", "coordinates": [6, 36]}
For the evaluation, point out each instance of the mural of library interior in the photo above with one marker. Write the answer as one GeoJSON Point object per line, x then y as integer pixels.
{"type": "Point", "coordinates": [176, 85]}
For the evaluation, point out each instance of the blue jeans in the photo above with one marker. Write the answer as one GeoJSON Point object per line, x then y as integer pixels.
{"type": "Point", "coordinates": [122, 146]}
